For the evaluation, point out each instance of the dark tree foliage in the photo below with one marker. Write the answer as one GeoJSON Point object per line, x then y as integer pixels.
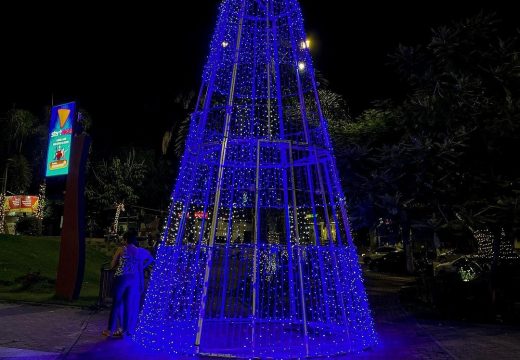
{"type": "Point", "coordinates": [444, 155]}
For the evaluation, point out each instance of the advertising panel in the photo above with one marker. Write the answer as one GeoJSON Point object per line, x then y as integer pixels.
{"type": "Point", "coordinates": [61, 129]}
{"type": "Point", "coordinates": [21, 204]}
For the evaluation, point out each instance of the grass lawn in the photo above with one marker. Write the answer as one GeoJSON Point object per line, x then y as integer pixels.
{"type": "Point", "coordinates": [28, 267]}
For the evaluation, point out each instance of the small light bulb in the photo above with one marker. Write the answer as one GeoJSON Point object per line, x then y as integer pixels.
{"type": "Point", "coordinates": [225, 44]}
{"type": "Point", "coordinates": [301, 65]}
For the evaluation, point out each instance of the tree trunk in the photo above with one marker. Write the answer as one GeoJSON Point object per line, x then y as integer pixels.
{"type": "Point", "coordinates": [496, 232]}
{"type": "Point", "coordinates": [372, 234]}
{"type": "Point", "coordinates": [406, 234]}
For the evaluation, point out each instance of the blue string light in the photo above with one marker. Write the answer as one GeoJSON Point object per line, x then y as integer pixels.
{"type": "Point", "coordinates": [257, 257]}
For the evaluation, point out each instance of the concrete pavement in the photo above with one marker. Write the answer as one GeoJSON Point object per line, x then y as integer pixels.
{"type": "Point", "coordinates": [60, 332]}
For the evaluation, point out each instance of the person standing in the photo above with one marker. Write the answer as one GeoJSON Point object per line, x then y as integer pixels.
{"type": "Point", "coordinates": [157, 242]}
{"type": "Point", "coordinates": [126, 290]}
{"type": "Point", "coordinates": [145, 259]}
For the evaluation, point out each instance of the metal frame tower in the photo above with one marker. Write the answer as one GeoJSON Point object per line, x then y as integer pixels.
{"type": "Point", "coordinates": [257, 257]}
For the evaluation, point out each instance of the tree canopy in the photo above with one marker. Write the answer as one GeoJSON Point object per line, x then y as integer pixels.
{"type": "Point", "coordinates": [446, 149]}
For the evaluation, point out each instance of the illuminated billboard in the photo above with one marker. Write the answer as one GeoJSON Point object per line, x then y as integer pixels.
{"type": "Point", "coordinates": [61, 129]}
{"type": "Point", "coordinates": [21, 204]}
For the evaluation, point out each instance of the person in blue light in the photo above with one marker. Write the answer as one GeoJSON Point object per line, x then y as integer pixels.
{"type": "Point", "coordinates": [129, 262]}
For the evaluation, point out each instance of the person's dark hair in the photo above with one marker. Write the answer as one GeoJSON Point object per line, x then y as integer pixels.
{"type": "Point", "coordinates": [130, 238]}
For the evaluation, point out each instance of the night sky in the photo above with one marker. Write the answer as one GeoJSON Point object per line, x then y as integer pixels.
{"type": "Point", "coordinates": [126, 64]}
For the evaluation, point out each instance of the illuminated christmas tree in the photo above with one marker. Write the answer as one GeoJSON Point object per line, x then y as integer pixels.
{"type": "Point", "coordinates": [257, 257]}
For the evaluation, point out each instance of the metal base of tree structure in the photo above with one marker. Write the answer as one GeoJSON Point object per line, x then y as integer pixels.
{"type": "Point", "coordinates": [315, 313]}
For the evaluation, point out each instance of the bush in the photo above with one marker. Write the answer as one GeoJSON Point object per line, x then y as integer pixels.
{"type": "Point", "coordinates": [34, 281]}
{"type": "Point", "coordinates": [29, 225]}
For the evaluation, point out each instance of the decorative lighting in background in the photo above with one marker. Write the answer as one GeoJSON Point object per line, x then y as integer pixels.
{"type": "Point", "coordinates": [40, 210]}
{"type": "Point", "coordinates": [115, 226]}
{"type": "Point", "coordinates": [2, 213]}
{"type": "Point", "coordinates": [485, 242]}
{"type": "Point", "coordinates": [306, 44]}
{"type": "Point", "coordinates": [257, 258]}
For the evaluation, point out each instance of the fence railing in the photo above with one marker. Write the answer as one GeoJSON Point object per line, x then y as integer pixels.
{"type": "Point", "coordinates": [106, 279]}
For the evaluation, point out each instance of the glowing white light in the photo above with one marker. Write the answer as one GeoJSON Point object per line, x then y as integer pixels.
{"type": "Point", "coordinates": [225, 44]}
{"type": "Point", "coordinates": [301, 65]}
{"type": "Point", "coordinates": [305, 44]}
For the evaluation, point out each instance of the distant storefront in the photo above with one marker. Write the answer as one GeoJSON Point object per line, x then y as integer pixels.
{"type": "Point", "coordinates": [18, 206]}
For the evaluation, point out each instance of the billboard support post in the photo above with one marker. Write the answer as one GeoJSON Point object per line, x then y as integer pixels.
{"type": "Point", "coordinates": [72, 247]}
{"type": "Point", "coordinates": [67, 155]}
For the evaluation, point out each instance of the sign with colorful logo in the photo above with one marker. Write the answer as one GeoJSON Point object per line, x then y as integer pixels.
{"type": "Point", "coordinates": [61, 129]}
{"type": "Point", "coordinates": [21, 204]}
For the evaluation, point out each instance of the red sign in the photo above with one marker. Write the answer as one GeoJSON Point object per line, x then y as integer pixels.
{"type": "Point", "coordinates": [196, 215]}
{"type": "Point", "coordinates": [21, 203]}
{"type": "Point", "coordinates": [200, 215]}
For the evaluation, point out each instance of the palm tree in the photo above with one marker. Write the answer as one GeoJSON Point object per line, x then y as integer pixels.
{"type": "Point", "coordinates": [184, 102]}
{"type": "Point", "coordinates": [20, 174]}
{"type": "Point", "coordinates": [20, 125]}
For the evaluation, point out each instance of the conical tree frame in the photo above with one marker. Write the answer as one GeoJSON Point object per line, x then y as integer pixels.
{"type": "Point", "coordinates": [257, 257]}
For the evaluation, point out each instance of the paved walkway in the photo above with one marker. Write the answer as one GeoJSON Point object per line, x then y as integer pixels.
{"type": "Point", "coordinates": [60, 333]}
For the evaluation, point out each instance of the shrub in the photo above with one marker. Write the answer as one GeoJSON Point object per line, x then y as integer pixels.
{"type": "Point", "coordinates": [29, 225]}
